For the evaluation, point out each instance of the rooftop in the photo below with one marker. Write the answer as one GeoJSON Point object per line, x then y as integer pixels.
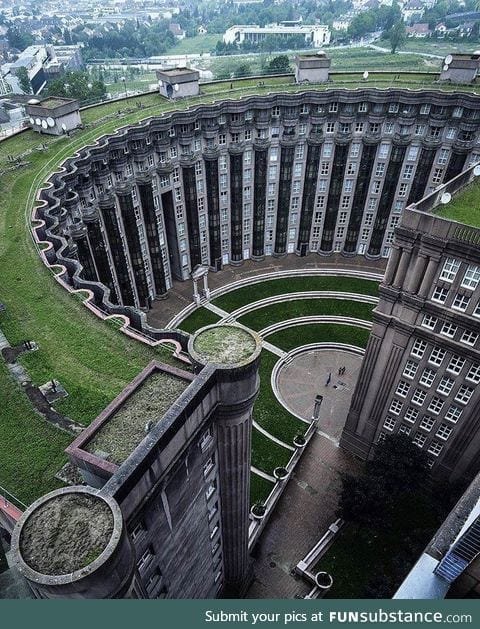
{"type": "Point", "coordinates": [66, 533]}
{"type": "Point", "coordinates": [53, 102]}
{"type": "Point", "coordinates": [126, 426]}
{"type": "Point", "coordinates": [464, 206]}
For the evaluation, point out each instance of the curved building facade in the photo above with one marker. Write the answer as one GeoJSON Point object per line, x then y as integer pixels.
{"type": "Point", "coordinates": [318, 171]}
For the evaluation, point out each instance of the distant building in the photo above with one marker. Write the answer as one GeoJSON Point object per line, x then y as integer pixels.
{"type": "Point", "coordinates": [460, 68]}
{"type": "Point", "coordinates": [178, 82]}
{"type": "Point", "coordinates": [177, 31]}
{"type": "Point", "coordinates": [53, 115]}
{"type": "Point", "coordinates": [419, 31]}
{"type": "Point", "coordinates": [413, 9]}
{"type": "Point", "coordinates": [441, 29]}
{"type": "Point", "coordinates": [312, 68]}
{"type": "Point", "coordinates": [315, 34]}
{"type": "Point", "coordinates": [341, 23]}
{"type": "Point", "coordinates": [201, 30]}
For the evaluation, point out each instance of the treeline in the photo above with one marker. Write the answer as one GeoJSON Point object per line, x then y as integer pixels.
{"type": "Point", "coordinates": [269, 44]}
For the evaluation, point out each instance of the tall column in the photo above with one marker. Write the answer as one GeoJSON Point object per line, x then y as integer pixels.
{"type": "Point", "coordinates": [417, 275]}
{"type": "Point", "coordinates": [428, 277]}
{"type": "Point", "coordinates": [206, 290]}
{"type": "Point", "coordinates": [392, 265]}
{"type": "Point", "coordinates": [235, 352]}
{"type": "Point", "coordinates": [402, 268]}
{"type": "Point", "coordinates": [196, 295]}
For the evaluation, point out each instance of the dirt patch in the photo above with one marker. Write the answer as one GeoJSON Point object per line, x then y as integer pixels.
{"type": "Point", "coordinates": [66, 533]}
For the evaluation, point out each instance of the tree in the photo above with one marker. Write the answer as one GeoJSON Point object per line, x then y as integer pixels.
{"type": "Point", "coordinates": [24, 81]}
{"type": "Point", "coordinates": [77, 85]}
{"type": "Point", "coordinates": [397, 35]}
{"type": "Point", "coordinates": [243, 69]}
{"type": "Point", "coordinates": [279, 64]}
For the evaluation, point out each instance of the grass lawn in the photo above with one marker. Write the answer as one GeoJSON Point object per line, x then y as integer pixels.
{"type": "Point", "coordinates": [358, 555]}
{"type": "Point", "coordinates": [199, 318]}
{"type": "Point", "coordinates": [268, 412]}
{"type": "Point", "coordinates": [268, 315]}
{"type": "Point", "coordinates": [318, 333]}
{"type": "Point", "coordinates": [195, 45]}
{"type": "Point", "coordinates": [266, 454]}
{"type": "Point", "coordinates": [242, 296]}
{"type": "Point", "coordinates": [31, 450]}
{"type": "Point", "coordinates": [260, 488]}
{"type": "Point", "coordinates": [463, 207]}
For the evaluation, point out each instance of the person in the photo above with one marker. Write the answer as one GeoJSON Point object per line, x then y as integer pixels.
{"type": "Point", "coordinates": [329, 379]}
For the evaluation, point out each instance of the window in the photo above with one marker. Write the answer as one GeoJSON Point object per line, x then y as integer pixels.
{"type": "Point", "coordinates": [330, 127]}
{"type": "Point", "coordinates": [418, 348]}
{"type": "Point", "coordinates": [471, 277]}
{"type": "Point", "coordinates": [389, 423]}
{"type": "Point", "coordinates": [206, 440]}
{"type": "Point", "coordinates": [410, 369]}
{"type": "Point", "coordinates": [355, 150]}
{"type": "Point", "coordinates": [333, 108]}
{"type": "Point", "coordinates": [327, 149]}
{"type": "Point", "coordinates": [474, 374]}
{"type": "Point", "coordinates": [437, 356]}
{"type": "Point", "coordinates": [460, 302]}
{"type": "Point", "coordinates": [443, 156]}
{"type": "Point", "coordinates": [411, 414]}
{"type": "Point", "coordinates": [325, 168]}
{"type": "Point", "coordinates": [404, 430]}
{"type": "Point", "coordinates": [445, 385]}
{"type": "Point", "coordinates": [351, 168]}
{"type": "Point", "coordinates": [476, 312]}
{"type": "Point", "coordinates": [408, 171]}
{"type": "Point", "coordinates": [212, 486]}
{"type": "Point", "coordinates": [376, 187]}
{"type": "Point", "coordinates": [419, 129]}
{"type": "Point", "coordinates": [449, 270]}
{"type": "Point", "coordinates": [396, 407]}
{"type": "Point", "coordinates": [435, 132]}
{"type": "Point", "coordinates": [402, 190]}
{"type": "Point", "coordinates": [444, 431]}
{"type": "Point", "coordinates": [464, 393]}
{"type": "Point", "coordinates": [380, 170]}
{"type": "Point", "coordinates": [274, 154]}
{"type": "Point", "coordinates": [437, 175]}
{"type": "Point", "coordinates": [436, 405]}
{"type": "Point", "coordinates": [145, 559]}
{"type": "Point", "coordinates": [299, 151]}
{"type": "Point", "coordinates": [412, 153]}
{"type": "Point", "coordinates": [419, 440]}
{"type": "Point", "coordinates": [440, 294]}
{"type": "Point", "coordinates": [456, 364]}
{"type": "Point", "coordinates": [359, 127]}
{"type": "Point", "coordinates": [137, 531]}
{"type": "Point", "coordinates": [427, 377]}
{"type": "Point", "coordinates": [214, 531]}
{"type": "Point", "coordinates": [435, 448]}
{"type": "Point", "coordinates": [208, 467]}
{"type": "Point", "coordinates": [427, 423]}
{"type": "Point", "coordinates": [418, 397]}
{"type": "Point", "coordinates": [429, 321]}
{"type": "Point", "coordinates": [383, 151]}
{"type": "Point", "coordinates": [448, 329]}
{"type": "Point", "coordinates": [402, 388]}
{"type": "Point", "coordinates": [469, 337]}
{"type": "Point", "coordinates": [453, 414]}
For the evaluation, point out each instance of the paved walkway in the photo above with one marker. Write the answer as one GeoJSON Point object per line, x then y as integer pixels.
{"type": "Point", "coordinates": [305, 377]}
{"type": "Point", "coordinates": [302, 515]}
{"type": "Point", "coordinates": [181, 294]}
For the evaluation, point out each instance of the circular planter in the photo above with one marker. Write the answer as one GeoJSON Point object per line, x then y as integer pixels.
{"type": "Point", "coordinates": [324, 580]}
{"type": "Point", "coordinates": [280, 473]}
{"type": "Point", "coordinates": [299, 441]}
{"type": "Point", "coordinates": [258, 511]}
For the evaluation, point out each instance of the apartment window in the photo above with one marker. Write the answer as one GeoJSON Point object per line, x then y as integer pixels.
{"type": "Point", "coordinates": [145, 559]}
{"type": "Point", "coordinates": [443, 156]}
{"type": "Point", "coordinates": [374, 127]}
{"type": "Point", "coordinates": [429, 321]}
{"type": "Point", "coordinates": [418, 397]}
{"type": "Point", "coordinates": [380, 170]}
{"type": "Point", "coordinates": [410, 369]}
{"type": "Point", "coordinates": [464, 393]}
{"type": "Point", "coordinates": [440, 294]}
{"type": "Point", "coordinates": [355, 150]}
{"type": "Point", "coordinates": [404, 430]}
{"type": "Point", "coordinates": [408, 171]}
{"type": "Point", "coordinates": [333, 108]}
{"type": "Point", "coordinates": [362, 107]}
{"type": "Point", "coordinates": [444, 431]}
{"type": "Point", "coordinates": [324, 168]}
{"type": "Point", "coordinates": [471, 277]}
{"type": "Point", "coordinates": [208, 467]}
{"type": "Point", "coordinates": [437, 356]}
{"type": "Point", "coordinates": [330, 127]}
{"type": "Point", "coordinates": [402, 190]}
{"type": "Point", "coordinates": [445, 385]}
{"type": "Point", "coordinates": [461, 302]}
{"type": "Point", "coordinates": [393, 108]}
{"type": "Point", "coordinates": [359, 127]}
{"type": "Point", "coordinates": [435, 448]}
{"type": "Point", "coordinates": [419, 440]}
{"type": "Point", "coordinates": [297, 170]}
{"type": "Point", "coordinates": [453, 414]}
{"type": "Point", "coordinates": [451, 133]}
{"type": "Point", "coordinates": [302, 129]}
{"type": "Point", "coordinates": [402, 388]}
{"type": "Point", "coordinates": [300, 151]}
{"type": "Point", "coordinates": [427, 423]}
{"type": "Point", "coordinates": [456, 364]}
{"type": "Point", "coordinates": [214, 531]}
{"type": "Point", "coordinates": [474, 374]}
{"type": "Point", "coordinates": [412, 153]}
{"type": "Point", "coordinates": [476, 312]}
{"type": "Point", "coordinates": [327, 149]}
{"type": "Point", "coordinates": [383, 151]}
{"type": "Point", "coordinates": [411, 415]}
{"type": "Point", "coordinates": [376, 187]}
{"type": "Point", "coordinates": [222, 139]}
{"type": "Point", "coordinates": [469, 337]}
{"type": "Point", "coordinates": [206, 440]}
{"type": "Point", "coordinates": [418, 348]}
{"type": "Point", "coordinates": [351, 168]}
{"type": "Point", "coordinates": [427, 377]}
{"type": "Point", "coordinates": [448, 329]}
{"type": "Point", "coordinates": [436, 405]}
{"type": "Point", "coordinates": [274, 154]}
{"type": "Point", "coordinates": [419, 129]}
{"type": "Point", "coordinates": [389, 423]}
{"type": "Point", "coordinates": [435, 132]}
{"type": "Point", "coordinates": [437, 175]}
{"type": "Point", "coordinates": [137, 531]}
{"type": "Point", "coordinates": [457, 112]}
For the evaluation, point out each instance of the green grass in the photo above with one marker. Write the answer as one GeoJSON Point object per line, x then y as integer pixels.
{"type": "Point", "coordinates": [266, 454]}
{"type": "Point", "coordinates": [195, 45]}
{"type": "Point", "coordinates": [463, 207]}
{"type": "Point", "coordinates": [242, 296]}
{"type": "Point", "coordinates": [268, 315]}
{"type": "Point", "coordinates": [199, 318]}
{"type": "Point", "coordinates": [141, 83]}
{"type": "Point", "coordinates": [318, 333]}
{"type": "Point", "coordinates": [31, 450]}
{"type": "Point", "coordinates": [268, 412]}
{"type": "Point", "coordinates": [260, 489]}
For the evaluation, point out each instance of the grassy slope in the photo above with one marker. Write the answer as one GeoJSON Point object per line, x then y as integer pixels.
{"type": "Point", "coordinates": [263, 317]}
{"type": "Point", "coordinates": [198, 318]}
{"type": "Point", "coordinates": [259, 489]}
{"type": "Point", "coordinates": [463, 207]}
{"type": "Point", "coordinates": [242, 296]}
{"type": "Point", "coordinates": [195, 45]}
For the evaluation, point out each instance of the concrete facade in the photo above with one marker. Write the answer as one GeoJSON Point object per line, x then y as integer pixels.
{"type": "Point", "coordinates": [178, 83]}
{"type": "Point", "coordinates": [461, 68]}
{"type": "Point", "coordinates": [312, 68]}
{"type": "Point", "coordinates": [53, 116]}
{"type": "Point", "coordinates": [315, 34]}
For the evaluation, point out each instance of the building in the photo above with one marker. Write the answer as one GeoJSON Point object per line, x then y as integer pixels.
{"type": "Point", "coordinates": [419, 30]}
{"type": "Point", "coordinates": [178, 82]}
{"type": "Point", "coordinates": [53, 115]}
{"type": "Point", "coordinates": [168, 471]}
{"type": "Point", "coordinates": [312, 68]}
{"type": "Point", "coordinates": [413, 10]}
{"type": "Point", "coordinates": [315, 35]}
{"type": "Point", "coordinates": [421, 369]}
{"type": "Point", "coordinates": [460, 68]}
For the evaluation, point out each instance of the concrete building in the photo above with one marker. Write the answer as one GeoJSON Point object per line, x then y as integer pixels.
{"type": "Point", "coordinates": [316, 35]}
{"type": "Point", "coordinates": [312, 68]}
{"type": "Point", "coordinates": [421, 369]}
{"type": "Point", "coordinates": [166, 510]}
{"type": "Point", "coordinates": [460, 68]}
{"type": "Point", "coordinates": [178, 82]}
{"type": "Point", "coordinates": [53, 115]}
